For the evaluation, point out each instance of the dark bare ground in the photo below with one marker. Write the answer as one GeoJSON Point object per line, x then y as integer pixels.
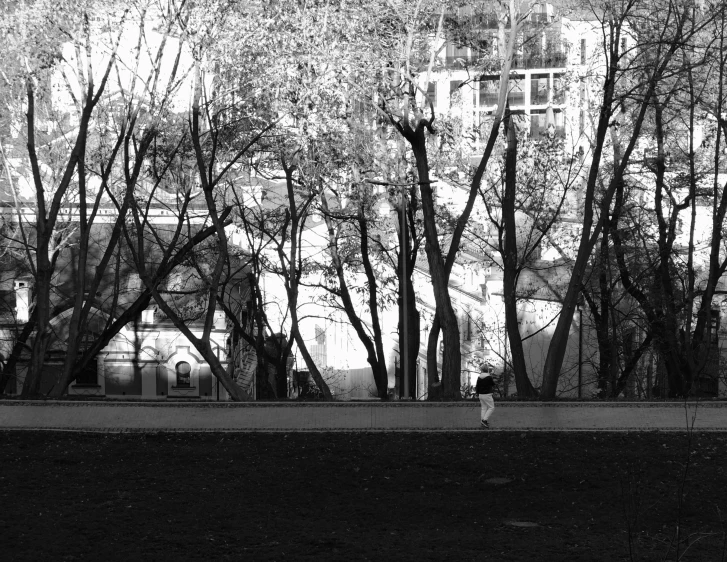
{"type": "Point", "coordinates": [361, 496]}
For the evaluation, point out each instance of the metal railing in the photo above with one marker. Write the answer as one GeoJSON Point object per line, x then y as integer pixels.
{"type": "Point", "coordinates": [523, 62]}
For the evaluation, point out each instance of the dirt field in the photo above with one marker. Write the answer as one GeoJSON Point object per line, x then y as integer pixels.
{"type": "Point", "coordinates": [362, 496]}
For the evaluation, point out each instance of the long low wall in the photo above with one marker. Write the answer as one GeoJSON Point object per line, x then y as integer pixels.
{"type": "Point", "coordinates": [291, 416]}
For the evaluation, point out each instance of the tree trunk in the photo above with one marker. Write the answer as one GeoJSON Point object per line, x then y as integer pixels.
{"type": "Point", "coordinates": [630, 367]}
{"type": "Point", "coordinates": [219, 372]}
{"type": "Point", "coordinates": [75, 326]}
{"type": "Point", "coordinates": [604, 356]}
{"type": "Point", "coordinates": [434, 384]}
{"type": "Point", "coordinates": [77, 321]}
{"type": "Point", "coordinates": [375, 351]}
{"type": "Point", "coordinates": [452, 356]}
{"type": "Point", "coordinates": [559, 340]}
{"type": "Point", "coordinates": [412, 319]}
{"type": "Point", "coordinates": [10, 370]}
{"type": "Point", "coordinates": [511, 265]}
{"type": "Point", "coordinates": [31, 384]}
{"type": "Point", "coordinates": [523, 386]}
{"type": "Point", "coordinates": [414, 325]}
{"type": "Point", "coordinates": [602, 320]}
{"type": "Point", "coordinates": [310, 364]}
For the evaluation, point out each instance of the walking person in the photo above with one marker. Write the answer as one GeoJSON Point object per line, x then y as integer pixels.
{"type": "Point", "coordinates": [485, 383]}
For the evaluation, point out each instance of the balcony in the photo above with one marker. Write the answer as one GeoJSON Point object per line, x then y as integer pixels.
{"type": "Point", "coordinates": [541, 18]}
{"type": "Point", "coordinates": [491, 20]}
{"type": "Point", "coordinates": [520, 62]}
{"type": "Point", "coordinates": [540, 60]}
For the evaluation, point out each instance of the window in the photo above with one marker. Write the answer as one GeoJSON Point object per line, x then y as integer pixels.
{"type": "Point", "coordinates": [184, 372]}
{"type": "Point", "coordinates": [457, 53]}
{"type": "Point", "coordinates": [542, 13]}
{"type": "Point", "coordinates": [455, 93]}
{"type": "Point", "coordinates": [493, 41]}
{"type": "Point", "coordinates": [516, 90]}
{"type": "Point", "coordinates": [89, 375]}
{"type": "Point", "coordinates": [432, 93]}
{"type": "Point", "coordinates": [583, 103]}
{"type": "Point", "coordinates": [539, 86]}
{"type": "Point", "coordinates": [133, 282]}
{"type": "Point", "coordinates": [538, 124]}
{"type": "Point", "coordinates": [714, 325]}
{"type": "Point", "coordinates": [489, 86]}
{"type": "Point", "coordinates": [558, 89]}
{"type": "Point", "coordinates": [485, 124]}
{"type": "Point", "coordinates": [360, 108]}
{"type": "Point", "coordinates": [535, 48]}
{"type": "Point", "coordinates": [559, 123]}
{"type": "Point", "coordinates": [320, 335]}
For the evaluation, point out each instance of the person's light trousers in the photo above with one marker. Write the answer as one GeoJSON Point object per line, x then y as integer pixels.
{"type": "Point", "coordinates": [487, 406]}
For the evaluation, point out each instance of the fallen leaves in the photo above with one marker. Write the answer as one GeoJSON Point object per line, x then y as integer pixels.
{"type": "Point", "coordinates": [294, 487]}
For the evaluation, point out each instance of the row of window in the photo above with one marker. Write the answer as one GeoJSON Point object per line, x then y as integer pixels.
{"type": "Point", "coordinates": [536, 122]}
{"type": "Point", "coordinates": [545, 88]}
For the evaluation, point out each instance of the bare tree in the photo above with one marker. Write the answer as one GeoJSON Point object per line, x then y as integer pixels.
{"type": "Point", "coordinates": [599, 192]}
{"type": "Point", "coordinates": [415, 123]}
{"type": "Point", "coordinates": [672, 283]}
{"type": "Point", "coordinates": [73, 164]}
{"type": "Point", "coordinates": [523, 200]}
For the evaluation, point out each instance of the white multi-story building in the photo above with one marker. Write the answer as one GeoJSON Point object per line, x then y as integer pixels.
{"type": "Point", "coordinates": [549, 81]}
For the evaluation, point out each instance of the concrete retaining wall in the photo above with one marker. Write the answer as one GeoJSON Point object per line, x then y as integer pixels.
{"type": "Point", "coordinates": [291, 416]}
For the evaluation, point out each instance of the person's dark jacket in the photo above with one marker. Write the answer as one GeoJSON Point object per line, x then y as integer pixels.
{"type": "Point", "coordinates": [484, 385]}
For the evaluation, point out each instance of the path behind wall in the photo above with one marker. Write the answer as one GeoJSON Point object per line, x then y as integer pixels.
{"type": "Point", "coordinates": [361, 416]}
